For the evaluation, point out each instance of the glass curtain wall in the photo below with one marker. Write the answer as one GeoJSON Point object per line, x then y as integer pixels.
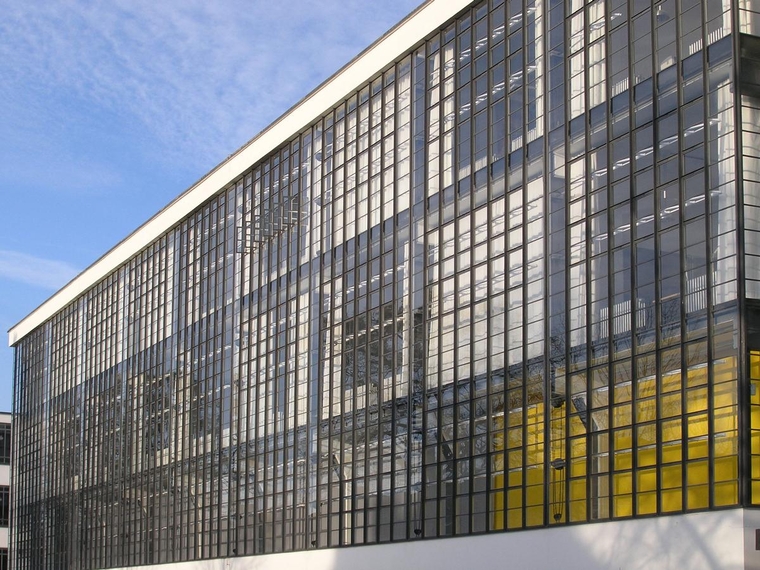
{"type": "Point", "coordinates": [494, 288]}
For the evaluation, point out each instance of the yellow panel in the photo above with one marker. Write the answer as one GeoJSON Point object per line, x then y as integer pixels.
{"type": "Point", "coordinates": [622, 393]}
{"type": "Point", "coordinates": [599, 398]}
{"type": "Point", "coordinates": [621, 415]}
{"type": "Point", "coordinates": [646, 503]}
{"type": "Point", "coordinates": [724, 370]}
{"type": "Point", "coordinates": [535, 415]}
{"type": "Point", "coordinates": [534, 455]}
{"type": "Point", "coordinates": [697, 497]}
{"type": "Point", "coordinates": [754, 392]}
{"type": "Point", "coordinates": [534, 475]}
{"type": "Point", "coordinates": [514, 437]}
{"type": "Point", "coordinates": [622, 483]}
{"type": "Point", "coordinates": [515, 419]}
{"type": "Point", "coordinates": [696, 400]}
{"type": "Point", "coordinates": [623, 460]}
{"type": "Point", "coordinates": [646, 480]}
{"type": "Point", "coordinates": [725, 444]}
{"type": "Point", "coordinates": [576, 426]}
{"type": "Point", "coordinates": [671, 430]}
{"type": "Point", "coordinates": [726, 494]}
{"type": "Point", "coordinates": [534, 495]}
{"type": "Point", "coordinates": [578, 467]}
{"type": "Point", "coordinates": [671, 495]}
{"type": "Point", "coordinates": [696, 376]}
{"type": "Point", "coordinates": [534, 516]}
{"type": "Point", "coordinates": [577, 489]}
{"type": "Point", "coordinates": [497, 521]}
{"type": "Point", "coordinates": [672, 452]}
{"type": "Point", "coordinates": [725, 394]}
{"type": "Point", "coordinates": [698, 448]}
{"type": "Point", "coordinates": [578, 511]}
{"type": "Point", "coordinates": [726, 468]}
{"type": "Point", "coordinates": [671, 476]}
{"type": "Point", "coordinates": [646, 410]}
{"type": "Point", "coordinates": [646, 388]}
{"type": "Point", "coordinates": [756, 492]}
{"type": "Point", "coordinates": [622, 439]}
{"type": "Point", "coordinates": [647, 456]}
{"type": "Point", "coordinates": [578, 447]}
{"type": "Point", "coordinates": [514, 498]}
{"type": "Point", "coordinates": [755, 466]}
{"type": "Point", "coordinates": [622, 506]}
{"type": "Point", "coordinates": [754, 438]}
{"type": "Point", "coordinates": [670, 405]}
{"type": "Point", "coordinates": [725, 419]}
{"type": "Point", "coordinates": [697, 425]}
{"type": "Point", "coordinates": [671, 500]}
{"type": "Point", "coordinates": [515, 478]}
{"type": "Point", "coordinates": [497, 501]}
{"type": "Point", "coordinates": [514, 518]}
{"type": "Point", "coordinates": [697, 473]}
{"type": "Point", "coordinates": [646, 435]}
{"type": "Point", "coordinates": [754, 364]}
{"type": "Point", "coordinates": [671, 382]}
{"type": "Point", "coordinates": [515, 459]}
{"type": "Point", "coordinates": [755, 417]}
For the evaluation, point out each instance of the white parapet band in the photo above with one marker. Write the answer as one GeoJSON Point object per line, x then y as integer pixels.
{"type": "Point", "coordinates": [697, 541]}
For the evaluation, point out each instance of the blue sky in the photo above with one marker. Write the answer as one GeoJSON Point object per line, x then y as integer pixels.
{"type": "Point", "coordinates": [110, 109]}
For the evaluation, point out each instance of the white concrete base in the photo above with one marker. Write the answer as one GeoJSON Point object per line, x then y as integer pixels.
{"type": "Point", "coordinates": [723, 539]}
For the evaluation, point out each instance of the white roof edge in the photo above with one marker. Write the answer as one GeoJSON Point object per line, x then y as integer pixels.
{"type": "Point", "coordinates": [399, 40]}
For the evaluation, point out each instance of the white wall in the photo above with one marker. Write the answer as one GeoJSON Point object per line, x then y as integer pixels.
{"type": "Point", "coordinates": [695, 542]}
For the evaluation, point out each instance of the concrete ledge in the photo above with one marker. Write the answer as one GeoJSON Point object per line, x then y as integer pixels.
{"type": "Point", "coordinates": [698, 541]}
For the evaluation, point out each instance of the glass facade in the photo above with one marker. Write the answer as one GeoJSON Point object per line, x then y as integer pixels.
{"type": "Point", "coordinates": [494, 288]}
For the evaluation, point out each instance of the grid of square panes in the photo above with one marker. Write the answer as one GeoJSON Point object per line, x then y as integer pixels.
{"type": "Point", "coordinates": [750, 151]}
{"type": "Point", "coordinates": [29, 413]}
{"type": "Point", "coordinates": [494, 288]}
{"type": "Point", "coordinates": [754, 425]}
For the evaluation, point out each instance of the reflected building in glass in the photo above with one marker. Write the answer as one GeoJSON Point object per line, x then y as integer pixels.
{"type": "Point", "coordinates": [498, 278]}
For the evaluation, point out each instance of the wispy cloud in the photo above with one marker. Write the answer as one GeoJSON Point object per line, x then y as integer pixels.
{"type": "Point", "coordinates": [35, 271]}
{"type": "Point", "coordinates": [200, 77]}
